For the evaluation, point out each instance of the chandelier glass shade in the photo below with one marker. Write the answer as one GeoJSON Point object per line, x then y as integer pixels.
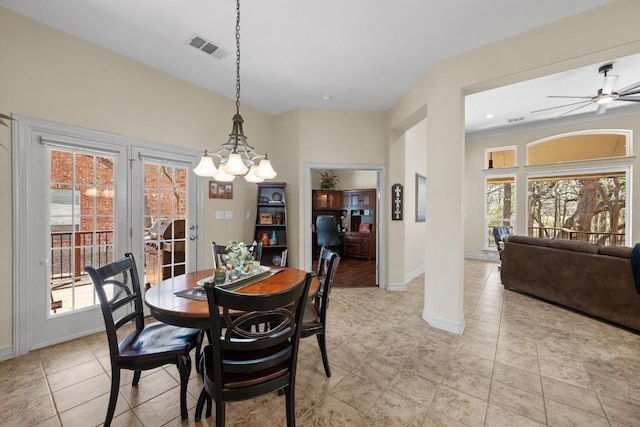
{"type": "Point", "coordinates": [236, 157]}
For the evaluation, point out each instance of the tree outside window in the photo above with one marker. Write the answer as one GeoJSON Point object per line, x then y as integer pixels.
{"type": "Point", "coordinates": [500, 202]}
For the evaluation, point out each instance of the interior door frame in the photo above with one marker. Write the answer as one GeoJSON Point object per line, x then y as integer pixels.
{"type": "Point", "coordinates": [381, 214]}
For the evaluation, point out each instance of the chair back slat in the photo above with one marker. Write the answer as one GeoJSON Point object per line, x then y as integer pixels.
{"type": "Point", "coordinates": [327, 266]}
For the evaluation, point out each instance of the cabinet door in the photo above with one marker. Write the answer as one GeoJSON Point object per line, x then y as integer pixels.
{"type": "Point", "coordinates": [355, 200]}
{"type": "Point", "coordinates": [353, 245]}
{"type": "Point", "coordinates": [335, 200]}
{"type": "Point", "coordinates": [365, 246]}
{"type": "Point", "coordinates": [367, 198]}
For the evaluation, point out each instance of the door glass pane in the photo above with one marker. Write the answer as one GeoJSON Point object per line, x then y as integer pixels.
{"type": "Point", "coordinates": [165, 191]}
{"type": "Point", "coordinates": [81, 225]}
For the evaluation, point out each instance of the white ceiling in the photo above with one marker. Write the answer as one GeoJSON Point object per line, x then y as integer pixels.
{"type": "Point", "coordinates": [364, 54]}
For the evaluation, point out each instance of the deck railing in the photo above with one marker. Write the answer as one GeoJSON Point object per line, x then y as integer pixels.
{"type": "Point", "coordinates": [72, 251]}
{"type": "Point", "coordinates": [598, 238]}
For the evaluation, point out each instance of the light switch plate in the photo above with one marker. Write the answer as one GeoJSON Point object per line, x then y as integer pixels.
{"type": "Point", "coordinates": [219, 214]}
{"type": "Point", "coordinates": [228, 214]}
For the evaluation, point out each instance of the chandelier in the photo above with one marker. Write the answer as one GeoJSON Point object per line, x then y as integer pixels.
{"type": "Point", "coordinates": [236, 157]}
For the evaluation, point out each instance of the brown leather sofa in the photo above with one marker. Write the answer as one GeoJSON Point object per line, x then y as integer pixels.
{"type": "Point", "coordinates": [579, 275]}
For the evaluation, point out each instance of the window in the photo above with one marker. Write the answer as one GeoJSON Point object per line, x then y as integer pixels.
{"type": "Point", "coordinates": [503, 157]}
{"type": "Point", "coordinates": [584, 145]}
{"type": "Point", "coordinates": [500, 206]}
{"type": "Point", "coordinates": [586, 207]}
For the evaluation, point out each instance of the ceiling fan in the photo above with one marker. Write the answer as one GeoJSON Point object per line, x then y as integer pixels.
{"type": "Point", "coordinates": [604, 96]}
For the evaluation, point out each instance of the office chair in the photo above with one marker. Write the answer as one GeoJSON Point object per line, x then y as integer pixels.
{"type": "Point", "coordinates": [327, 233]}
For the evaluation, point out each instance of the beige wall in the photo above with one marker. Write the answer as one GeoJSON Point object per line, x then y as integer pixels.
{"type": "Point", "coordinates": [474, 175]}
{"type": "Point", "coordinates": [350, 179]}
{"type": "Point", "coordinates": [414, 232]}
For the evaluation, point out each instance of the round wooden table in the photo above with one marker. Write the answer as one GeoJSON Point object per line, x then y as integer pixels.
{"type": "Point", "coordinates": [179, 311]}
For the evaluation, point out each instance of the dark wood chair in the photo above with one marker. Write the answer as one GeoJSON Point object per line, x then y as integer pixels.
{"type": "Point", "coordinates": [255, 347]}
{"type": "Point", "coordinates": [148, 346]}
{"type": "Point", "coordinates": [315, 314]}
{"type": "Point", "coordinates": [220, 253]}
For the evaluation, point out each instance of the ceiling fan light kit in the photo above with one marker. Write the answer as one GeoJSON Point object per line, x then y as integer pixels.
{"type": "Point", "coordinates": [604, 96]}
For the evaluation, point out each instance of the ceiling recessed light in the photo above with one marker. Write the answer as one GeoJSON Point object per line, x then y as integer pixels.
{"type": "Point", "coordinates": [489, 116]}
{"type": "Point", "coordinates": [327, 98]}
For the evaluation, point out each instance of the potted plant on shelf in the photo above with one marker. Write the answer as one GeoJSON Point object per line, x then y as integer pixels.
{"type": "Point", "coordinates": [328, 180]}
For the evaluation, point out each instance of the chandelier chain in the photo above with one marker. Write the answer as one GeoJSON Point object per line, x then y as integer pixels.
{"type": "Point", "coordinates": [238, 56]}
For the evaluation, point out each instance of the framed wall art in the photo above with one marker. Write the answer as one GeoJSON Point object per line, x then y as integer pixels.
{"type": "Point", "coordinates": [220, 190]}
{"type": "Point", "coordinates": [421, 198]}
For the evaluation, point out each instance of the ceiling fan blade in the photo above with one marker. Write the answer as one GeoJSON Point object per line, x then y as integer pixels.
{"type": "Point", "coordinates": [627, 90]}
{"type": "Point", "coordinates": [561, 96]}
{"type": "Point", "coordinates": [601, 108]}
{"type": "Point", "coordinates": [572, 110]}
{"type": "Point", "coordinates": [633, 92]}
{"type": "Point", "coordinates": [629, 98]}
{"type": "Point", "coordinates": [562, 106]}
{"type": "Point", "coordinates": [609, 84]}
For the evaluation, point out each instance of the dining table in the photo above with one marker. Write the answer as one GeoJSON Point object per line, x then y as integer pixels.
{"type": "Point", "coordinates": [173, 309]}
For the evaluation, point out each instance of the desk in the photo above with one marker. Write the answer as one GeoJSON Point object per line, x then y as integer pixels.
{"type": "Point", "coordinates": [179, 311]}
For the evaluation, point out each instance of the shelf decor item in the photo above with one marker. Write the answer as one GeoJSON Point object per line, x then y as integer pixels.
{"type": "Point", "coordinates": [328, 180]}
{"type": "Point", "coordinates": [266, 218]}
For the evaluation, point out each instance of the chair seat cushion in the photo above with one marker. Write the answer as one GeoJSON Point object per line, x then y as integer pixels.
{"type": "Point", "coordinates": [157, 338]}
{"type": "Point", "coordinates": [311, 315]}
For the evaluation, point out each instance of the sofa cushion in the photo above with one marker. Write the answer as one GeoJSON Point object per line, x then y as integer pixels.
{"type": "Point", "coordinates": [618, 251]}
{"type": "Point", "coordinates": [572, 245]}
{"type": "Point", "coordinates": [526, 240]}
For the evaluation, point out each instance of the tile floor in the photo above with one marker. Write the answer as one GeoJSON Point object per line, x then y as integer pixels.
{"type": "Point", "coordinates": [520, 362]}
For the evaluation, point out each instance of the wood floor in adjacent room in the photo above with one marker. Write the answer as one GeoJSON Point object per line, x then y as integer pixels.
{"type": "Point", "coordinates": [354, 273]}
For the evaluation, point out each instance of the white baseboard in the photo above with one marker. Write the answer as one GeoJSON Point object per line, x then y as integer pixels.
{"type": "Point", "coordinates": [409, 277]}
{"type": "Point", "coordinates": [395, 287]}
{"type": "Point", "coordinates": [6, 352]}
{"type": "Point", "coordinates": [456, 328]}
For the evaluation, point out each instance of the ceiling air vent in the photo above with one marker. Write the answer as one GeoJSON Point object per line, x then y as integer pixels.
{"type": "Point", "coordinates": [206, 46]}
{"type": "Point", "coordinates": [516, 119]}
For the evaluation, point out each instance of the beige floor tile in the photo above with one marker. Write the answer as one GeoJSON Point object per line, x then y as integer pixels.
{"type": "Point", "coordinates": [28, 391]}
{"type": "Point", "coordinates": [614, 387]}
{"type": "Point", "coordinates": [437, 419]}
{"type": "Point", "coordinates": [358, 392]}
{"type": "Point", "coordinates": [500, 417]}
{"type": "Point", "coordinates": [149, 387]}
{"type": "Point", "coordinates": [518, 401]}
{"type": "Point", "coordinates": [29, 412]}
{"type": "Point", "coordinates": [459, 406]}
{"type": "Point", "coordinates": [563, 415]}
{"type": "Point", "coordinates": [621, 411]}
{"type": "Point", "coordinates": [581, 398]}
{"type": "Point", "coordinates": [50, 422]}
{"type": "Point", "coordinates": [524, 362]}
{"type": "Point", "coordinates": [331, 412]}
{"type": "Point", "coordinates": [471, 362]}
{"type": "Point", "coordinates": [392, 409]}
{"type": "Point", "coordinates": [92, 412]}
{"type": "Point", "coordinates": [467, 382]}
{"type": "Point", "coordinates": [414, 387]}
{"type": "Point", "coordinates": [517, 378]}
{"type": "Point", "coordinates": [81, 392]}
{"type": "Point", "coordinates": [162, 408]}
{"type": "Point", "coordinates": [69, 376]}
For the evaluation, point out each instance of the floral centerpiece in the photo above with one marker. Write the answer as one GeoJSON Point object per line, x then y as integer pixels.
{"type": "Point", "coordinates": [240, 256]}
{"type": "Point", "coordinates": [328, 180]}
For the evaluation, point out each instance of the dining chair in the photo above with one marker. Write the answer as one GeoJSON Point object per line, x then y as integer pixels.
{"type": "Point", "coordinates": [148, 346]}
{"type": "Point", "coordinates": [315, 315]}
{"type": "Point", "coordinates": [255, 347]}
{"type": "Point", "coordinates": [220, 253]}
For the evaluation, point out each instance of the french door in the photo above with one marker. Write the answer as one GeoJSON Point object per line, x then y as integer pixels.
{"type": "Point", "coordinates": [85, 198]}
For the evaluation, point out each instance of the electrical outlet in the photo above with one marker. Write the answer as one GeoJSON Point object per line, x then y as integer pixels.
{"type": "Point", "coordinates": [249, 214]}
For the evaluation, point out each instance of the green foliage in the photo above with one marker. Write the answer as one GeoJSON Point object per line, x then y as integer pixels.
{"type": "Point", "coordinates": [328, 180]}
